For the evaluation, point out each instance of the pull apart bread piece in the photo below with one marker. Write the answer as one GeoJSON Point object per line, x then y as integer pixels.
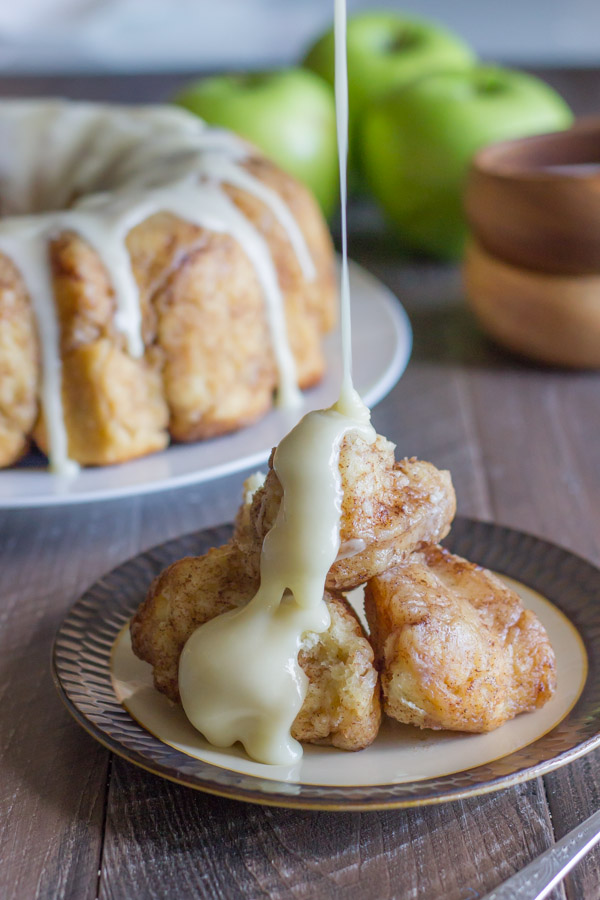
{"type": "Point", "coordinates": [455, 648]}
{"type": "Point", "coordinates": [342, 705]}
{"type": "Point", "coordinates": [388, 509]}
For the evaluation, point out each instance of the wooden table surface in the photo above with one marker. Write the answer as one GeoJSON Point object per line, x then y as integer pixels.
{"type": "Point", "coordinates": [523, 446]}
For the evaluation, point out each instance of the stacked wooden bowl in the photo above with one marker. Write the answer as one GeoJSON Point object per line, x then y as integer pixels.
{"type": "Point", "coordinates": [532, 269]}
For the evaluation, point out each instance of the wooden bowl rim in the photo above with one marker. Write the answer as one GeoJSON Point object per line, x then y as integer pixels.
{"type": "Point", "coordinates": [526, 159]}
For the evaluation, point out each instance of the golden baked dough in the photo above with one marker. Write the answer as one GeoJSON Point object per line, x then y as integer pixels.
{"type": "Point", "coordinates": [341, 706]}
{"type": "Point", "coordinates": [113, 404]}
{"type": "Point", "coordinates": [184, 596]}
{"type": "Point", "coordinates": [208, 366]}
{"type": "Point", "coordinates": [455, 648]}
{"type": "Point", "coordinates": [18, 365]}
{"type": "Point", "coordinates": [388, 509]}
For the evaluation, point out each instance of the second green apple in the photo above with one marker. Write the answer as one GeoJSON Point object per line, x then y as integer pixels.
{"type": "Point", "coordinates": [387, 50]}
{"type": "Point", "coordinates": [416, 145]}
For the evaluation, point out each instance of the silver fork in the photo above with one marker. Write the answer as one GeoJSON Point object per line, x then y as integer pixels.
{"type": "Point", "coordinates": [536, 880]}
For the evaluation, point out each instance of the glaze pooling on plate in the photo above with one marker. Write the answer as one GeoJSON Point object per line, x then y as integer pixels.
{"type": "Point", "coordinates": [82, 662]}
{"type": "Point", "coordinates": [401, 753]}
{"type": "Point", "coordinates": [105, 169]}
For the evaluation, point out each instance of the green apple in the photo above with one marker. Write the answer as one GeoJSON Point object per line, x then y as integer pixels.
{"type": "Point", "coordinates": [417, 143]}
{"type": "Point", "coordinates": [387, 50]}
{"type": "Point", "coordinates": [289, 115]}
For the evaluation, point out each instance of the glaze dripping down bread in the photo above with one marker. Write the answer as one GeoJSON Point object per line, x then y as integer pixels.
{"type": "Point", "coordinates": [341, 706]}
{"type": "Point", "coordinates": [158, 279]}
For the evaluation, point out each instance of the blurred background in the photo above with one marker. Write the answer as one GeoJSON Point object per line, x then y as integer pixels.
{"type": "Point", "coordinates": [102, 36]}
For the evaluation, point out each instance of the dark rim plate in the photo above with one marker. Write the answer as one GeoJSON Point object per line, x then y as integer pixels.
{"type": "Point", "coordinates": [82, 657]}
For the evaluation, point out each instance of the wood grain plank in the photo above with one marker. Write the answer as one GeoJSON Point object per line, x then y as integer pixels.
{"type": "Point", "coordinates": [580, 87]}
{"type": "Point", "coordinates": [53, 775]}
{"type": "Point", "coordinates": [162, 838]}
{"type": "Point", "coordinates": [573, 795]}
{"type": "Point", "coordinates": [137, 88]}
{"type": "Point", "coordinates": [53, 787]}
{"type": "Point", "coordinates": [542, 459]}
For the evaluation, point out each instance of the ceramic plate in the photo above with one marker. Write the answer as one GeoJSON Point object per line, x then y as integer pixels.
{"type": "Point", "coordinates": [109, 691]}
{"type": "Point", "coordinates": [382, 340]}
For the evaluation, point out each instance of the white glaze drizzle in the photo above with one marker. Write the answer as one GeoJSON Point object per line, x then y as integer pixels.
{"type": "Point", "coordinates": [348, 393]}
{"type": "Point", "coordinates": [229, 173]}
{"type": "Point", "coordinates": [29, 253]}
{"type": "Point", "coordinates": [137, 162]}
{"type": "Point", "coordinates": [239, 676]}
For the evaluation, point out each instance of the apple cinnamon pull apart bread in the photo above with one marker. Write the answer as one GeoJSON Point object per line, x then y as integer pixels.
{"type": "Point", "coordinates": [208, 366]}
{"type": "Point", "coordinates": [454, 646]}
{"type": "Point", "coordinates": [342, 704]}
{"type": "Point", "coordinates": [145, 258]}
{"type": "Point", "coordinates": [388, 509]}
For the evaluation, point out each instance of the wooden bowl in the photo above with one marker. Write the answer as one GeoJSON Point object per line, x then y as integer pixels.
{"type": "Point", "coordinates": [550, 318]}
{"type": "Point", "coordinates": [535, 202]}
